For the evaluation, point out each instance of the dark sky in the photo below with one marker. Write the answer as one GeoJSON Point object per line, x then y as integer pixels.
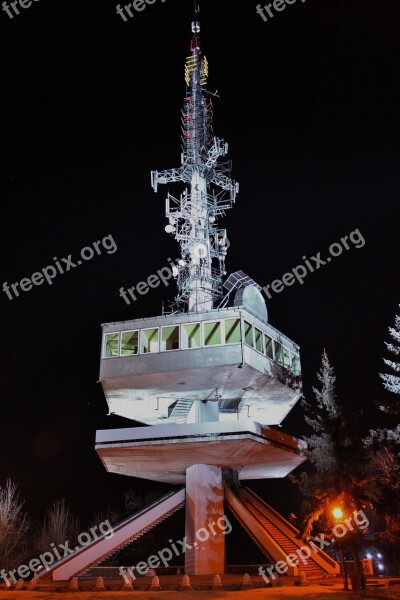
{"type": "Point", "coordinates": [309, 105]}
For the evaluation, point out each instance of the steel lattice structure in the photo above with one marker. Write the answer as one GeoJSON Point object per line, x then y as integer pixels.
{"type": "Point", "coordinates": [211, 191]}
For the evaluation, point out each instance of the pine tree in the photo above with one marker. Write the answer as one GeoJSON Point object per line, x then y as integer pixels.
{"type": "Point", "coordinates": [391, 381]}
{"type": "Point", "coordinates": [383, 480]}
{"type": "Point", "coordinates": [333, 455]}
{"type": "Point", "coordinates": [382, 484]}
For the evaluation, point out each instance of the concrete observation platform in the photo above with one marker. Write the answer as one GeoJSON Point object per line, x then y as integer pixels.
{"type": "Point", "coordinates": [164, 453]}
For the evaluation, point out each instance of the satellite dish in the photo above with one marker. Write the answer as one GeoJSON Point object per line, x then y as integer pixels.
{"type": "Point", "coordinates": [251, 298]}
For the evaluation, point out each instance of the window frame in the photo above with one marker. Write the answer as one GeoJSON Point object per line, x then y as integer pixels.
{"type": "Point", "coordinates": [262, 340]}
{"type": "Point", "coordinates": [120, 342]}
{"type": "Point", "coordinates": [272, 346]}
{"type": "Point", "coordinates": [148, 329]}
{"type": "Point", "coordinates": [244, 334]}
{"type": "Point", "coordinates": [240, 330]}
{"type": "Point", "coordinates": [178, 327]}
{"type": "Point", "coordinates": [296, 364]}
{"type": "Point", "coordinates": [118, 333]}
{"type": "Point", "coordinates": [201, 335]}
{"type": "Point", "coordinates": [289, 367]}
{"type": "Point", "coordinates": [277, 360]}
{"type": "Point", "coordinates": [204, 323]}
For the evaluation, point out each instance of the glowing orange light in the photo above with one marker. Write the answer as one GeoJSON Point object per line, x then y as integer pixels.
{"type": "Point", "coordinates": [337, 513]}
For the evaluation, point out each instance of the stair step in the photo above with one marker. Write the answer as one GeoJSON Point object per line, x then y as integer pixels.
{"type": "Point", "coordinates": [129, 541]}
{"type": "Point", "coordinates": [288, 545]}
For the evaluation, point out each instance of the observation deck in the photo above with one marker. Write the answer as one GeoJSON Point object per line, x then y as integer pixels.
{"type": "Point", "coordinates": [157, 370]}
{"type": "Point", "coordinates": [165, 453]}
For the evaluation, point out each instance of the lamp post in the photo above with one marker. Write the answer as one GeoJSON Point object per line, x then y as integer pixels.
{"type": "Point", "coordinates": [338, 517]}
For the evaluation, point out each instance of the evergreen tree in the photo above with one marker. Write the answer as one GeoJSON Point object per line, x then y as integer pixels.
{"type": "Point", "coordinates": [382, 484]}
{"type": "Point", "coordinates": [391, 381]}
{"type": "Point", "coordinates": [383, 445]}
{"type": "Point", "coordinates": [335, 456]}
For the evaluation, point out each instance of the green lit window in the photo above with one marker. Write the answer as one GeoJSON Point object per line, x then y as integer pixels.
{"type": "Point", "coordinates": [258, 340]}
{"type": "Point", "coordinates": [278, 352]}
{"type": "Point", "coordinates": [232, 331]}
{"type": "Point", "coordinates": [111, 345]}
{"type": "Point", "coordinates": [191, 337]}
{"type": "Point", "coordinates": [286, 357]}
{"type": "Point", "coordinates": [296, 365]}
{"type": "Point", "coordinates": [212, 333]}
{"type": "Point", "coordinates": [149, 340]}
{"type": "Point", "coordinates": [170, 338]}
{"type": "Point", "coordinates": [129, 343]}
{"type": "Point", "coordinates": [248, 333]}
{"type": "Point", "coordinates": [269, 349]}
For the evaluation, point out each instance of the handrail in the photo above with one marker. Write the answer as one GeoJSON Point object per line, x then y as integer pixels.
{"type": "Point", "coordinates": [115, 528]}
{"type": "Point", "coordinates": [278, 516]}
{"type": "Point", "coordinates": [141, 511]}
{"type": "Point", "coordinates": [281, 523]}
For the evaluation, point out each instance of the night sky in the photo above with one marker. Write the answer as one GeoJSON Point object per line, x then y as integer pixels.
{"type": "Point", "coordinates": [91, 104]}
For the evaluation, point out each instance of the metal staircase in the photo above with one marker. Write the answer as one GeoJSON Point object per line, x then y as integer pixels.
{"type": "Point", "coordinates": [123, 534]}
{"type": "Point", "coordinates": [253, 538]}
{"type": "Point", "coordinates": [181, 410]}
{"type": "Point", "coordinates": [310, 567]}
{"type": "Point", "coordinates": [86, 572]}
{"type": "Point", "coordinates": [277, 537]}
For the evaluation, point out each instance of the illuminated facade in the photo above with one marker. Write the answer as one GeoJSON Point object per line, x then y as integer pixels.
{"type": "Point", "coordinates": [211, 377]}
{"type": "Point", "coordinates": [209, 380]}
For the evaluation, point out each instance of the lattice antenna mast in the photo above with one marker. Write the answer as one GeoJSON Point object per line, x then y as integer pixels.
{"type": "Point", "coordinates": [209, 193]}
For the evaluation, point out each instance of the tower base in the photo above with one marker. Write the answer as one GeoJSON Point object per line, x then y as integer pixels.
{"type": "Point", "coordinates": [205, 523]}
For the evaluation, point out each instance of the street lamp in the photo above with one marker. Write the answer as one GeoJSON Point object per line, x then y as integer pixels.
{"type": "Point", "coordinates": [338, 516]}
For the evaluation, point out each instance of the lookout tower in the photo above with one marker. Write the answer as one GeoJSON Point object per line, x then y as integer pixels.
{"type": "Point", "coordinates": [213, 376]}
{"type": "Point", "coordinates": [210, 379]}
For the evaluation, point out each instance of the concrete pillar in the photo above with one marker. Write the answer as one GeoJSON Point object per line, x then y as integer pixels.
{"type": "Point", "coordinates": [217, 584]}
{"type": "Point", "coordinates": [247, 582]}
{"type": "Point", "coordinates": [74, 584]}
{"type": "Point", "coordinates": [99, 585]}
{"type": "Point", "coordinates": [155, 584]}
{"type": "Point", "coordinates": [185, 583]}
{"type": "Point", "coordinates": [203, 412]}
{"type": "Point", "coordinates": [205, 552]}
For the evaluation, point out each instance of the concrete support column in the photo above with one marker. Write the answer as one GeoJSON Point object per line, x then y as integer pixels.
{"type": "Point", "coordinates": [204, 506]}
{"type": "Point", "coordinates": [203, 412]}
